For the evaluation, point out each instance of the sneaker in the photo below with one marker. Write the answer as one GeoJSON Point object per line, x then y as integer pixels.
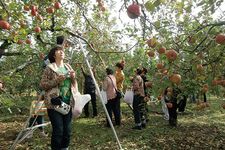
{"type": "Point", "coordinates": [43, 134]}
{"type": "Point", "coordinates": [137, 128]}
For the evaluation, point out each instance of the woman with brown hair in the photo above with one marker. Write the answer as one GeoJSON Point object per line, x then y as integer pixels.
{"type": "Point", "coordinates": [112, 102]}
{"type": "Point", "coordinates": [58, 81]}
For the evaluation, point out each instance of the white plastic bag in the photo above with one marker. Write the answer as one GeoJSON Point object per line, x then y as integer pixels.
{"type": "Point", "coordinates": [165, 109]}
{"type": "Point", "coordinates": [104, 96]}
{"type": "Point", "coordinates": [128, 97]}
{"type": "Point", "coordinates": [80, 102]}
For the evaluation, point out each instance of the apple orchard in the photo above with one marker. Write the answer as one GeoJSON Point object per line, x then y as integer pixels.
{"type": "Point", "coordinates": [177, 45]}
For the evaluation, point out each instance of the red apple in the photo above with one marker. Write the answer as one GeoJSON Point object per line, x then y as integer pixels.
{"type": "Point", "coordinates": [37, 29]}
{"type": "Point", "coordinates": [33, 7]}
{"type": "Point", "coordinates": [4, 25]}
{"type": "Point", "coordinates": [57, 5]}
{"type": "Point", "coordinates": [28, 41]}
{"type": "Point", "coordinates": [34, 13]}
{"type": "Point", "coordinates": [151, 53]}
{"type": "Point", "coordinates": [20, 42]}
{"type": "Point", "coordinates": [160, 66]}
{"type": "Point", "coordinates": [220, 39]}
{"type": "Point", "coordinates": [162, 50]}
{"type": "Point", "coordinates": [175, 78]}
{"type": "Point", "coordinates": [133, 11]}
{"type": "Point", "coordinates": [171, 55]}
{"type": "Point", "coordinates": [50, 10]}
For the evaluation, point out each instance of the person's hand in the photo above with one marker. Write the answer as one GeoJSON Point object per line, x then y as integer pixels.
{"type": "Point", "coordinates": [1, 86]}
{"type": "Point", "coordinates": [61, 78]}
{"type": "Point", "coordinates": [169, 105]}
{"type": "Point", "coordinates": [72, 74]}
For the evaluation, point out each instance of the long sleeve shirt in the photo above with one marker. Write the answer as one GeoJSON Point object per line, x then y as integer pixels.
{"type": "Point", "coordinates": [138, 86]}
{"type": "Point", "coordinates": [108, 86]}
{"type": "Point", "coordinates": [119, 80]}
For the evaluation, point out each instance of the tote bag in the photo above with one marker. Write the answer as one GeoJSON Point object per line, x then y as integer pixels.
{"type": "Point", "coordinates": [104, 96]}
{"type": "Point", "coordinates": [79, 102]}
{"type": "Point", "coordinates": [165, 109]}
{"type": "Point", "coordinates": [128, 97]}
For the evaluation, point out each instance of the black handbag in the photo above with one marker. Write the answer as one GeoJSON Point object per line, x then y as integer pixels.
{"type": "Point", "coordinates": [119, 94]}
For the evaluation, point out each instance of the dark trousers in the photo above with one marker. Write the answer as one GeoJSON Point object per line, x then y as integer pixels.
{"type": "Point", "coordinates": [139, 109]}
{"type": "Point", "coordinates": [173, 115]}
{"type": "Point", "coordinates": [204, 97]}
{"type": "Point", "coordinates": [94, 106]}
{"type": "Point", "coordinates": [61, 129]}
{"type": "Point", "coordinates": [37, 119]}
{"type": "Point", "coordinates": [113, 106]}
{"type": "Point", "coordinates": [182, 104]}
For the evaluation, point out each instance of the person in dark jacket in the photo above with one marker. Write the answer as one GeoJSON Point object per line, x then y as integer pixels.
{"type": "Point", "coordinates": [144, 77]}
{"type": "Point", "coordinates": [171, 95]}
{"type": "Point", "coordinates": [89, 88]}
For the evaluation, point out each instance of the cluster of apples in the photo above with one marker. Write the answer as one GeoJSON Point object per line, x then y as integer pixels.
{"type": "Point", "coordinates": [171, 54]}
{"type": "Point", "coordinates": [101, 5]}
{"type": "Point", "coordinates": [27, 41]}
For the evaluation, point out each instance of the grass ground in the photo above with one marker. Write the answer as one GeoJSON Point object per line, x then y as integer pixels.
{"type": "Point", "coordinates": [197, 129]}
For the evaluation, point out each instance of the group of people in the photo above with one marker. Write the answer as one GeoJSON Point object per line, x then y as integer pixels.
{"type": "Point", "coordinates": [59, 86]}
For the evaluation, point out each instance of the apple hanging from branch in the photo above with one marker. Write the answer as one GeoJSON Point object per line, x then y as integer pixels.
{"type": "Point", "coordinates": [220, 39]}
{"type": "Point", "coordinates": [4, 25]}
{"type": "Point", "coordinates": [133, 11]}
{"type": "Point", "coordinates": [171, 55]}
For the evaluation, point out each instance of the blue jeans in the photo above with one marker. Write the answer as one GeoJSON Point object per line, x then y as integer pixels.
{"type": "Point", "coordinates": [61, 129]}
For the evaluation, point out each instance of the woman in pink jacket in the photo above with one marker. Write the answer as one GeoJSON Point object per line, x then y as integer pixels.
{"type": "Point", "coordinates": [112, 102]}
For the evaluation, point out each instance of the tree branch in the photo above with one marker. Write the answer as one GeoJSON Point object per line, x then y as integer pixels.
{"type": "Point", "coordinates": [21, 67]}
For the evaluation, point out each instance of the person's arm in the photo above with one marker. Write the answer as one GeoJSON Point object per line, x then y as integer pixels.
{"type": "Point", "coordinates": [48, 83]}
